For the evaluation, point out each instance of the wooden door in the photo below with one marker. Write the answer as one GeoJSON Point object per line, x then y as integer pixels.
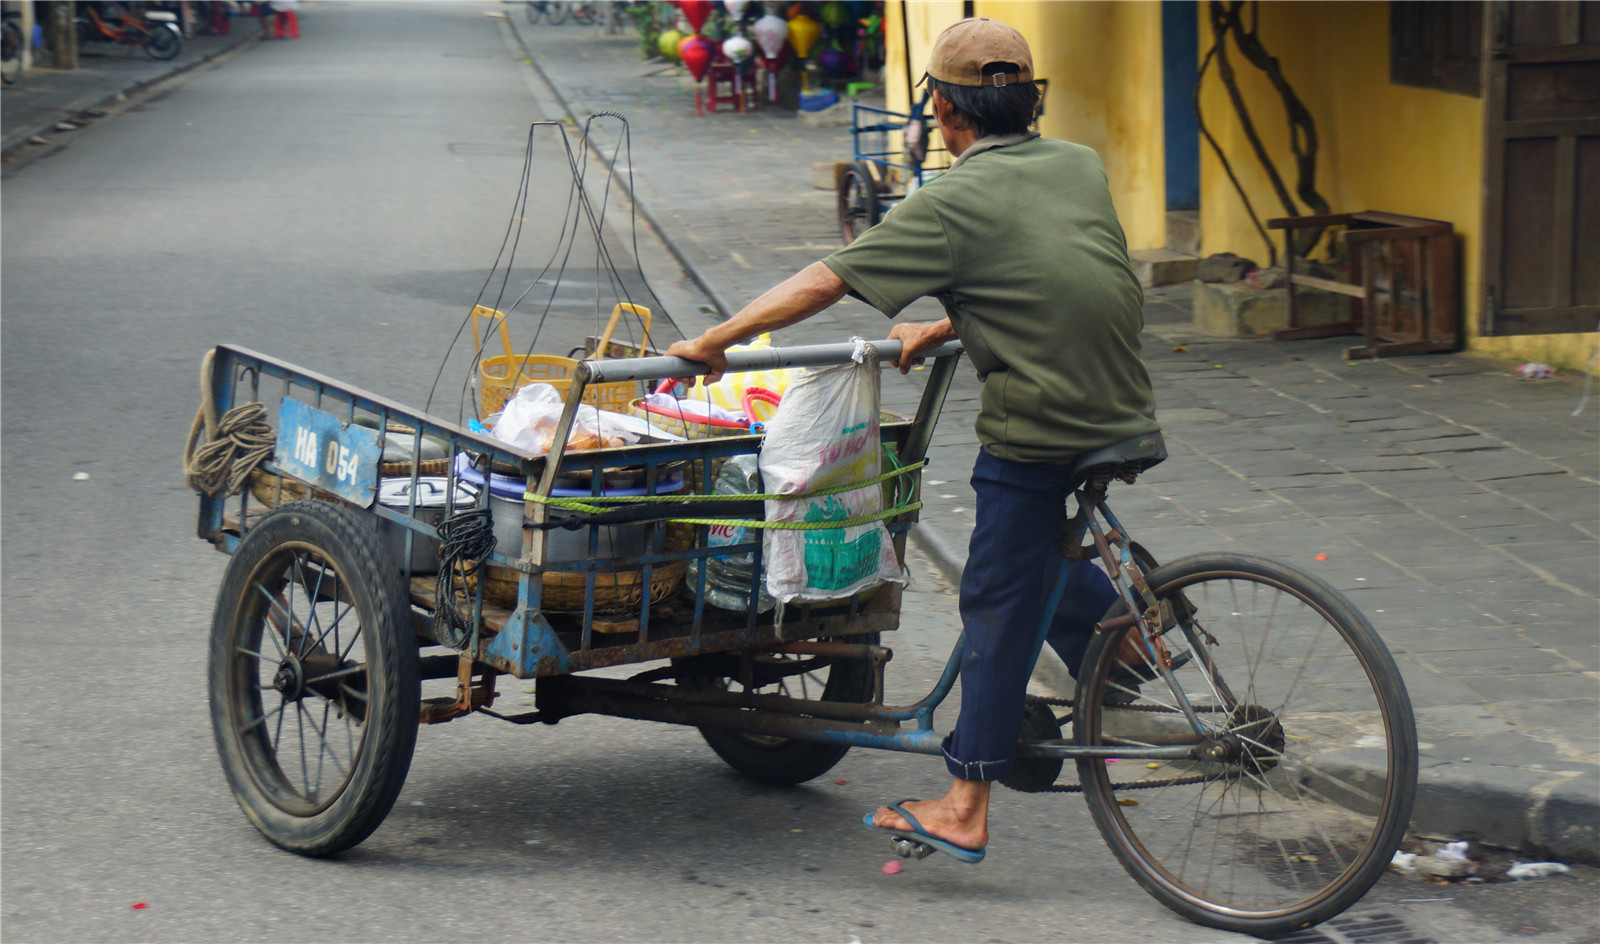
{"type": "Point", "coordinates": [1541, 253]}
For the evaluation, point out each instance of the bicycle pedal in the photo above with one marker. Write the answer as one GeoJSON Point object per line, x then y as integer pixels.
{"type": "Point", "coordinates": [910, 848]}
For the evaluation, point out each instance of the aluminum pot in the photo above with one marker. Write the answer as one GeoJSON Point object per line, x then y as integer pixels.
{"type": "Point", "coordinates": [430, 509]}
{"type": "Point", "coordinates": [613, 541]}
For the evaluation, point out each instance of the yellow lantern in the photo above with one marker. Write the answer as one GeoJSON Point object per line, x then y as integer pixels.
{"type": "Point", "coordinates": [803, 33]}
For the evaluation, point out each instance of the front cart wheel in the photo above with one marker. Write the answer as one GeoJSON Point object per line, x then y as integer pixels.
{"type": "Point", "coordinates": [858, 201]}
{"type": "Point", "coordinates": [314, 680]}
{"type": "Point", "coordinates": [779, 760]}
{"type": "Point", "coordinates": [1303, 785]}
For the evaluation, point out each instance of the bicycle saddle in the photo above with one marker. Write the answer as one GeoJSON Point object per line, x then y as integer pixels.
{"type": "Point", "coordinates": [1140, 452]}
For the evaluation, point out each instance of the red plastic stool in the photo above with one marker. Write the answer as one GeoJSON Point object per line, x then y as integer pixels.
{"type": "Point", "coordinates": [724, 72]}
{"type": "Point", "coordinates": [287, 22]}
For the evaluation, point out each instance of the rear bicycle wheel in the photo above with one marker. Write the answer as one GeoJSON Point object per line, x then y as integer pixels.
{"type": "Point", "coordinates": [1316, 769]}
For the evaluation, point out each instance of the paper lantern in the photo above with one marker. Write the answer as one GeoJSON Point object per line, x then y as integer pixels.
{"type": "Point", "coordinates": [695, 11]}
{"type": "Point", "coordinates": [803, 33]}
{"type": "Point", "coordinates": [771, 32]}
{"type": "Point", "coordinates": [737, 49]}
{"type": "Point", "coordinates": [833, 61]}
{"type": "Point", "coordinates": [668, 44]}
{"type": "Point", "coordinates": [696, 53]}
{"type": "Point", "coordinates": [797, 9]}
{"type": "Point", "coordinates": [736, 8]}
{"type": "Point", "coordinates": [834, 14]}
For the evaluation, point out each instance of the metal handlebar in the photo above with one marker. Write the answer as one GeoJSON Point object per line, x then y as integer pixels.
{"type": "Point", "coordinates": [771, 358]}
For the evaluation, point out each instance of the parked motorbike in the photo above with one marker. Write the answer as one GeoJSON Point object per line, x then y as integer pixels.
{"type": "Point", "coordinates": [156, 31]}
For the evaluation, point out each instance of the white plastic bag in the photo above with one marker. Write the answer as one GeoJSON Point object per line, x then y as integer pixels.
{"type": "Point", "coordinates": [825, 434]}
{"type": "Point", "coordinates": [529, 423]}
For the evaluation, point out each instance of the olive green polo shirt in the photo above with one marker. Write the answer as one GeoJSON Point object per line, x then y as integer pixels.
{"type": "Point", "coordinates": [1020, 242]}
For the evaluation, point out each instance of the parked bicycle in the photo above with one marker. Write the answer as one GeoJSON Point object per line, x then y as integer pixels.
{"type": "Point", "coordinates": [157, 32]}
{"type": "Point", "coordinates": [556, 12]}
{"type": "Point", "coordinates": [11, 47]}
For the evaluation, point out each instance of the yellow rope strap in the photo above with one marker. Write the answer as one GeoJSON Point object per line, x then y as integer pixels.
{"type": "Point", "coordinates": [594, 505]}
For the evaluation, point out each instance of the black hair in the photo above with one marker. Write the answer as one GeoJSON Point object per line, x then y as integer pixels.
{"type": "Point", "coordinates": [1008, 109]}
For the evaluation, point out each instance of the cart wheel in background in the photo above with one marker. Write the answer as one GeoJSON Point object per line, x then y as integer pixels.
{"type": "Point", "coordinates": [556, 12]}
{"type": "Point", "coordinates": [779, 760]}
{"type": "Point", "coordinates": [858, 201]}
{"type": "Point", "coordinates": [314, 680]}
{"type": "Point", "coordinates": [1315, 771]}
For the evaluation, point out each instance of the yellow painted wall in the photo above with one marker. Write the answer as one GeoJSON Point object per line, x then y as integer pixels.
{"type": "Point", "coordinates": [1383, 147]}
{"type": "Point", "coordinates": [1103, 60]}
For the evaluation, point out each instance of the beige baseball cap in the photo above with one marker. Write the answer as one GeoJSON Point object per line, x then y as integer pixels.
{"type": "Point", "coordinates": [961, 52]}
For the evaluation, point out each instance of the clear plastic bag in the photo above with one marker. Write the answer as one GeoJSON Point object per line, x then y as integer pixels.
{"type": "Point", "coordinates": [529, 423]}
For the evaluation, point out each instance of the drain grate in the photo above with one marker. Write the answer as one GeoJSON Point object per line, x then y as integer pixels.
{"type": "Point", "coordinates": [1371, 928]}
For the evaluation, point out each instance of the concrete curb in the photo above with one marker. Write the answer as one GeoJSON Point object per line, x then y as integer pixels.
{"type": "Point", "coordinates": [696, 274]}
{"type": "Point", "coordinates": [100, 99]}
{"type": "Point", "coordinates": [1518, 808]}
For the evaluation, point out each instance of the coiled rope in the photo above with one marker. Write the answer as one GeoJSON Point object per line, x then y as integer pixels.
{"type": "Point", "coordinates": [464, 540]}
{"type": "Point", "coordinates": [235, 443]}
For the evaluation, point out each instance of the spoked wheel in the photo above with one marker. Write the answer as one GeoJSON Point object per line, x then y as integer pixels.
{"type": "Point", "coordinates": [858, 201]}
{"type": "Point", "coordinates": [780, 760]}
{"type": "Point", "coordinates": [163, 43]}
{"type": "Point", "coordinates": [314, 679]}
{"type": "Point", "coordinates": [1314, 751]}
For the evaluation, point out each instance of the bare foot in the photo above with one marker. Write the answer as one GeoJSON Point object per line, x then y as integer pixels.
{"type": "Point", "coordinates": [960, 817]}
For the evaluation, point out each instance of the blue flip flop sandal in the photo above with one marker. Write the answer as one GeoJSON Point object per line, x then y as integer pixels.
{"type": "Point", "coordinates": [917, 835]}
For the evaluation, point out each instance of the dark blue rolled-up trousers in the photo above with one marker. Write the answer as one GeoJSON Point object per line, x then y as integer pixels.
{"type": "Point", "coordinates": [1012, 565]}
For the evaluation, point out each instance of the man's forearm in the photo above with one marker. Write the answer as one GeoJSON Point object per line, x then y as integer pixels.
{"type": "Point", "coordinates": [789, 302]}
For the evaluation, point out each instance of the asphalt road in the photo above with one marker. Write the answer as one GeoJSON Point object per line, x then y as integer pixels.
{"type": "Point", "coordinates": [338, 201]}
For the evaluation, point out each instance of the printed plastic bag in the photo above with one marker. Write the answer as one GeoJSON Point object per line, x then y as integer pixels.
{"type": "Point", "coordinates": [825, 434]}
{"type": "Point", "coordinates": [529, 423]}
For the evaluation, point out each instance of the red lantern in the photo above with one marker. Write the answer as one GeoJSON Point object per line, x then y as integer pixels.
{"type": "Point", "coordinates": [695, 11]}
{"type": "Point", "coordinates": [696, 53]}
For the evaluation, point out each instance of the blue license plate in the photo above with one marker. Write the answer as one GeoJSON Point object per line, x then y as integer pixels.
{"type": "Point", "coordinates": [314, 446]}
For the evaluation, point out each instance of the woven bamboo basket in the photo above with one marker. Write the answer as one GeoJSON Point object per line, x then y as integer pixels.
{"type": "Point", "coordinates": [564, 590]}
{"type": "Point", "coordinates": [264, 485]}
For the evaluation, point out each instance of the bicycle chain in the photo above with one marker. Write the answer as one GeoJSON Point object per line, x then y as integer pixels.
{"type": "Point", "coordinates": [1136, 785]}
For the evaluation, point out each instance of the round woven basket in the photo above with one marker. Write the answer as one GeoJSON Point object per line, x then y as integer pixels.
{"type": "Point", "coordinates": [564, 590]}
{"type": "Point", "coordinates": [403, 469]}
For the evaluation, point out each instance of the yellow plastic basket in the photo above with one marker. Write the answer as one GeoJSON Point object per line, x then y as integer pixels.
{"type": "Point", "coordinates": [501, 376]}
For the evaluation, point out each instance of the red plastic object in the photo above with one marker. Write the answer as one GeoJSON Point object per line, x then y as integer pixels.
{"type": "Point", "coordinates": [754, 395]}
{"type": "Point", "coordinates": [720, 74]}
{"type": "Point", "coordinates": [678, 414]}
{"type": "Point", "coordinates": [286, 25]}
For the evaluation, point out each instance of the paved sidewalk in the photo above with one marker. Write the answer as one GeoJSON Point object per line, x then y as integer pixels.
{"type": "Point", "coordinates": [1457, 506]}
{"type": "Point", "coordinates": [106, 73]}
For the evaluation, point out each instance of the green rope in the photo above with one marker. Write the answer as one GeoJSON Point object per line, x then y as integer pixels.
{"type": "Point", "coordinates": [803, 525]}
{"type": "Point", "coordinates": [594, 504]}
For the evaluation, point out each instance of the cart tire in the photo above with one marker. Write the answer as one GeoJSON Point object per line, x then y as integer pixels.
{"type": "Point", "coordinates": [314, 678]}
{"type": "Point", "coordinates": [785, 761]}
{"type": "Point", "coordinates": [859, 210]}
{"type": "Point", "coordinates": [1302, 816]}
